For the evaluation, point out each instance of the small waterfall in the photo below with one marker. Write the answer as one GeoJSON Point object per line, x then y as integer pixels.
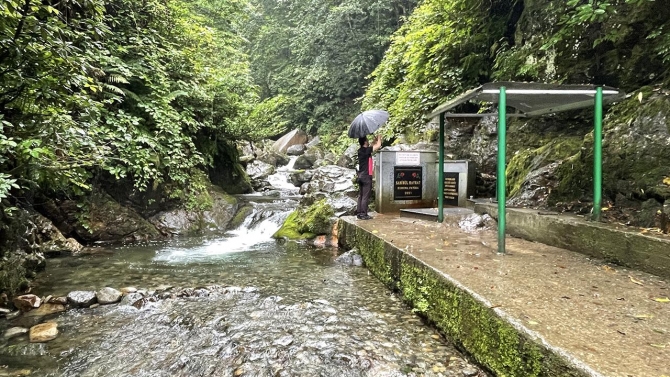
{"type": "Point", "coordinates": [280, 179]}
{"type": "Point", "coordinates": [262, 223]}
{"type": "Point", "coordinates": [255, 233]}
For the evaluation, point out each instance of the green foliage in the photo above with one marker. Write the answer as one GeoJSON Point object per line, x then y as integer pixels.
{"type": "Point", "coordinates": [142, 91]}
{"type": "Point", "coordinates": [444, 49]}
{"type": "Point", "coordinates": [318, 54]}
{"type": "Point", "coordinates": [621, 43]}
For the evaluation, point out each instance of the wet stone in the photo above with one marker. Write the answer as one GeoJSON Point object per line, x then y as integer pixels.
{"type": "Point", "coordinates": [26, 302]}
{"type": "Point", "coordinates": [108, 295]}
{"type": "Point", "coordinates": [130, 299]}
{"type": "Point", "coordinates": [43, 332]}
{"type": "Point", "coordinates": [14, 332]}
{"type": "Point", "coordinates": [46, 309]}
{"type": "Point", "coordinates": [81, 299]}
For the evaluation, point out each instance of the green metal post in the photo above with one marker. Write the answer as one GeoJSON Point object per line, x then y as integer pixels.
{"type": "Point", "coordinates": [502, 177]}
{"type": "Point", "coordinates": [440, 174]}
{"type": "Point", "coordinates": [598, 155]}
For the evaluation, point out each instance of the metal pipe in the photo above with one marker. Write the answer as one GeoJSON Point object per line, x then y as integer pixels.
{"type": "Point", "coordinates": [440, 174]}
{"type": "Point", "coordinates": [553, 91]}
{"type": "Point", "coordinates": [502, 177]}
{"type": "Point", "coordinates": [598, 155]}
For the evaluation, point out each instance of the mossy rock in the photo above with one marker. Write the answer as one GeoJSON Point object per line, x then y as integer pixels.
{"type": "Point", "coordinates": [307, 223]}
{"type": "Point", "coordinates": [240, 216]}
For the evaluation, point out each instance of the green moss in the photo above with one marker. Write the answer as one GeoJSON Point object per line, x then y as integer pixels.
{"type": "Point", "coordinates": [307, 223]}
{"type": "Point", "coordinates": [240, 216]}
{"type": "Point", "coordinates": [530, 159]}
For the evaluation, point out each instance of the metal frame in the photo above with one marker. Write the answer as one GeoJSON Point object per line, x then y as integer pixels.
{"type": "Point", "coordinates": [502, 92]}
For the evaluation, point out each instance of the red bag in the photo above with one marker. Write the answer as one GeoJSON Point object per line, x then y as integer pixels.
{"type": "Point", "coordinates": [370, 166]}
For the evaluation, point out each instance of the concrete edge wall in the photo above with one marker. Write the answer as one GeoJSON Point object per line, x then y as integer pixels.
{"type": "Point", "coordinates": [495, 340]}
{"type": "Point", "coordinates": [623, 247]}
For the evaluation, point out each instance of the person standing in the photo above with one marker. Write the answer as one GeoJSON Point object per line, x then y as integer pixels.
{"type": "Point", "coordinates": [365, 175]}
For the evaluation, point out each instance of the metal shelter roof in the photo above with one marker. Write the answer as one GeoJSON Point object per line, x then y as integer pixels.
{"type": "Point", "coordinates": [532, 99]}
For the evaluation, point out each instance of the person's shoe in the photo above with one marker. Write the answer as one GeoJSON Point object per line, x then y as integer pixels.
{"type": "Point", "coordinates": [366, 217]}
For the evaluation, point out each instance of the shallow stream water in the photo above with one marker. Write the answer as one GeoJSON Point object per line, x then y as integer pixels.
{"type": "Point", "coordinates": [296, 313]}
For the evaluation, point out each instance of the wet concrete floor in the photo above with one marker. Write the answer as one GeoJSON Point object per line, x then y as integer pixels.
{"type": "Point", "coordinates": [614, 320]}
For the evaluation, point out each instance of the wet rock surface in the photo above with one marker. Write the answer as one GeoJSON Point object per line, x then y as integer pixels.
{"type": "Point", "coordinates": [43, 332]}
{"type": "Point", "coordinates": [108, 295]}
{"type": "Point", "coordinates": [81, 299]}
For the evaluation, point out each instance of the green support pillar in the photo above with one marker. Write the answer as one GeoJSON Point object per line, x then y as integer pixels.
{"type": "Point", "coordinates": [598, 155]}
{"type": "Point", "coordinates": [440, 175]}
{"type": "Point", "coordinates": [502, 176]}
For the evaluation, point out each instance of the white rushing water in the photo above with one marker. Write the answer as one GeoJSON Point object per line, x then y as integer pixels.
{"type": "Point", "coordinates": [256, 230]}
{"type": "Point", "coordinates": [280, 179]}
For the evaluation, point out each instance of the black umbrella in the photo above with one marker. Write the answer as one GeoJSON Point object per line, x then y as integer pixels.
{"type": "Point", "coordinates": [367, 122]}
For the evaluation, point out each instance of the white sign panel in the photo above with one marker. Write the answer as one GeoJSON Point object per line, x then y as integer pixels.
{"type": "Point", "coordinates": [407, 158]}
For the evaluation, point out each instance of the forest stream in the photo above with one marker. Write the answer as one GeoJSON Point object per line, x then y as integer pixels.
{"type": "Point", "coordinates": [255, 307]}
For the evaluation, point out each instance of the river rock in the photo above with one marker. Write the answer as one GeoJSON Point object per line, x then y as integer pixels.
{"type": "Point", "coordinates": [13, 332]}
{"type": "Point", "coordinates": [26, 303]}
{"type": "Point", "coordinates": [58, 247]}
{"type": "Point", "coordinates": [296, 150]}
{"type": "Point", "coordinates": [333, 183]}
{"type": "Point", "coordinates": [46, 309]}
{"type": "Point", "coordinates": [126, 290]}
{"type": "Point", "coordinates": [314, 142]}
{"type": "Point", "coordinates": [108, 295]}
{"type": "Point", "coordinates": [350, 258]}
{"type": "Point", "coordinates": [349, 158]}
{"type": "Point", "coordinates": [81, 299]}
{"type": "Point", "coordinates": [43, 332]}
{"type": "Point", "coordinates": [302, 162]}
{"type": "Point", "coordinates": [294, 137]}
{"type": "Point", "coordinates": [183, 221]}
{"type": "Point", "coordinates": [58, 300]}
{"type": "Point", "coordinates": [101, 219]}
{"type": "Point", "coordinates": [130, 299]}
{"type": "Point", "coordinates": [301, 176]}
{"type": "Point", "coordinates": [259, 170]}
{"type": "Point", "coordinates": [274, 158]}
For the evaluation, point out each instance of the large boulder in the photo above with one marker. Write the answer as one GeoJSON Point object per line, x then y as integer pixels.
{"type": "Point", "coordinates": [274, 158]}
{"type": "Point", "coordinates": [307, 222]}
{"type": "Point", "coordinates": [292, 138]}
{"type": "Point", "coordinates": [349, 158]}
{"type": "Point", "coordinates": [299, 177]}
{"type": "Point", "coordinates": [259, 170]}
{"type": "Point", "coordinates": [335, 185]}
{"type": "Point", "coordinates": [302, 162]}
{"type": "Point", "coordinates": [100, 218]}
{"type": "Point", "coordinates": [296, 150]}
{"type": "Point", "coordinates": [183, 221]}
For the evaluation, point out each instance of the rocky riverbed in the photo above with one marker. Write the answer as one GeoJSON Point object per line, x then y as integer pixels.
{"type": "Point", "coordinates": [293, 311]}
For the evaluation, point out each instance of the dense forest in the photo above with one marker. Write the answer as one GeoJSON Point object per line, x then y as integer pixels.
{"type": "Point", "coordinates": [145, 101]}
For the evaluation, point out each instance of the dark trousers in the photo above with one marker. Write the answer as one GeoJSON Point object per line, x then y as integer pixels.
{"type": "Point", "coordinates": [365, 183]}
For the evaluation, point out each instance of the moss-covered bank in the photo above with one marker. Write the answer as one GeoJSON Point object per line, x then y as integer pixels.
{"type": "Point", "coordinates": [494, 341]}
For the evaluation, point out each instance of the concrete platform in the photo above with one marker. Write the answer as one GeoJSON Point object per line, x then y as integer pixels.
{"type": "Point", "coordinates": [537, 311]}
{"type": "Point", "coordinates": [622, 245]}
{"type": "Point", "coordinates": [430, 214]}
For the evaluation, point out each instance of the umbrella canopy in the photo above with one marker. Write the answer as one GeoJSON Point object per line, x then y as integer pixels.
{"type": "Point", "coordinates": [367, 122]}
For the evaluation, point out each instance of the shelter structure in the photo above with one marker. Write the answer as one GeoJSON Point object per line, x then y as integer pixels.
{"type": "Point", "coordinates": [529, 100]}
